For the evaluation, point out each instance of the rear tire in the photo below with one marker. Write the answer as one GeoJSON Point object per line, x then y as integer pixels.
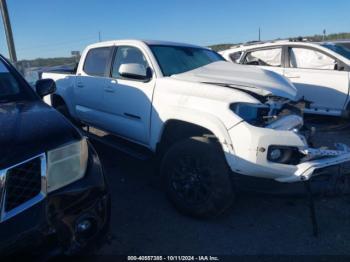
{"type": "Point", "coordinates": [197, 177]}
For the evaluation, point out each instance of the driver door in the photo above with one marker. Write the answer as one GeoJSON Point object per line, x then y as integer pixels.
{"type": "Point", "coordinates": [127, 102]}
{"type": "Point", "coordinates": [266, 58]}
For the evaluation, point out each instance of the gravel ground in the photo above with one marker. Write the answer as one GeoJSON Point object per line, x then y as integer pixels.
{"type": "Point", "coordinates": [145, 223]}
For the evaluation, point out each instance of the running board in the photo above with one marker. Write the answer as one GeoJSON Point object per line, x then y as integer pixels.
{"type": "Point", "coordinates": [136, 151]}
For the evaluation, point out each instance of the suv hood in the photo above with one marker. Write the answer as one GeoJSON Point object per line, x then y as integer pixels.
{"type": "Point", "coordinates": [246, 78]}
{"type": "Point", "coordinates": [31, 128]}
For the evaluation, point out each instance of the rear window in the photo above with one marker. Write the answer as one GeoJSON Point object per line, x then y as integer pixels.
{"type": "Point", "coordinates": [310, 59]}
{"type": "Point", "coordinates": [342, 49]}
{"type": "Point", "coordinates": [97, 61]}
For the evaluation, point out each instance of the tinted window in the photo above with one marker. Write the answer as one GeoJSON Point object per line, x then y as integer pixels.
{"type": "Point", "coordinates": [235, 57]}
{"type": "Point", "coordinates": [11, 89]}
{"type": "Point", "coordinates": [310, 59]}
{"type": "Point", "coordinates": [179, 59]}
{"type": "Point", "coordinates": [265, 57]}
{"type": "Point", "coordinates": [127, 55]}
{"type": "Point", "coordinates": [96, 61]}
{"type": "Point", "coordinates": [345, 44]}
{"type": "Point", "coordinates": [340, 48]}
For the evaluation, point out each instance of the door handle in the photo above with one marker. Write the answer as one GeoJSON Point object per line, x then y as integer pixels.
{"type": "Point", "coordinates": [80, 85]}
{"type": "Point", "coordinates": [291, 76]}
{"type": "Point", "coordinates": [109, 89]}
{"type": "Point", "coordinates": [132, 115]}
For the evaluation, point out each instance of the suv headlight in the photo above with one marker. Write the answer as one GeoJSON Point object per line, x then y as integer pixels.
{"type": "Point", "coordinates": [66, 164]}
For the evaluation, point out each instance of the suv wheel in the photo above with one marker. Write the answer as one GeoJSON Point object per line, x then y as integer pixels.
{"type": "Point", "coordinates": [197, 177]}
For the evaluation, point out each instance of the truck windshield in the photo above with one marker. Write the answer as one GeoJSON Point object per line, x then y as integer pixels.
{"type": "Point", "coordinates": [11, 89]}
{"type": "Point", "coordinates": [338, 48]}
{"type": "Point", "coordinates": [179, 59]}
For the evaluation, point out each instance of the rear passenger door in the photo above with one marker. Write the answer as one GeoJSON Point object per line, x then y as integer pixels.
{"type": "Point", "coordinates": [316, 76]}
{"type": "Point", "coordinates": [90, 85]}
{"type": "Point", "coordinates": [267, 58]}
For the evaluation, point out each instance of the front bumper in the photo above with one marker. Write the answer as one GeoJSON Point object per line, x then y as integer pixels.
{"type": "Point", "coordinates": [308, 169]}
{"type": "Point", "coordinates": [52, 225]}
{"type": "Point", "coordinates": [248, 155]}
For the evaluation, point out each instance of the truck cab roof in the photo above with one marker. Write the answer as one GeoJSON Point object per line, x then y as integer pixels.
{"type": "Point", "coordinates": [138, 41]}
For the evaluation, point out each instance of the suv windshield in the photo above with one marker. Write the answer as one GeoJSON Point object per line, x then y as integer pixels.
{"type": "Point", "coordinates": [340, 49]}
{"type": "Point", "coordinates": [179, 59]}
{"type": "Point", "coordinates": [11, 89]}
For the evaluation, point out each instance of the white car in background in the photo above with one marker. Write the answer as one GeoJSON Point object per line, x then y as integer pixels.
{"type": "Point", "coordinates": [320, 71]}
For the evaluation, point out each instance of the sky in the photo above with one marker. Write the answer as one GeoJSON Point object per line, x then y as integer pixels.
{"type": "Point", "coordinates": [54, 28]}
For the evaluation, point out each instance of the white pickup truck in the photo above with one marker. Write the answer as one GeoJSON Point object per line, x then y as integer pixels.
{"type": "Point", "coordinates": [207, 119]}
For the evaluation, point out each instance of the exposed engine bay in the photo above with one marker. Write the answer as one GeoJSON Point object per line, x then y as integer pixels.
{"type": "Point", "coordinates": [273, 112]}
{"type": "Point", "coordinates": [282, 114]}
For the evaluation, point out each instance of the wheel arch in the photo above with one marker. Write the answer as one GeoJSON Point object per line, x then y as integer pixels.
{"type": "Point", "coordinates": [177, 128]}
{"type": "Point", "coordinates": [57, 100]}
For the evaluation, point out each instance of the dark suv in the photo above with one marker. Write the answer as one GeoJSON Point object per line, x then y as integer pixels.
{"type": "Point", "coordinates": [53, 192]}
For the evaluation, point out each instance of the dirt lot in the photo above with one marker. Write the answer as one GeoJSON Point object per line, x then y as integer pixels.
{"type": "Point", "coordinates": [145, 223]}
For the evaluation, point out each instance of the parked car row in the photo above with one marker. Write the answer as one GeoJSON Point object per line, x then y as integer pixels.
{"type": "Point", "coordinates": [205, 120]}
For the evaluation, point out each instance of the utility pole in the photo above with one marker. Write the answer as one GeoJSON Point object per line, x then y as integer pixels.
{"type": "Point", "coordinates": [8, 31]}
{"type": "Point", "coordinates": [99, 36]}
{"type": "Point", "coordinates": [324, 34]}
{"type": "Point", "coordinates": [259, 34]}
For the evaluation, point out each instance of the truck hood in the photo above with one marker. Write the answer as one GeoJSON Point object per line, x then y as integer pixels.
{"type": "Point", "coordinates": [31, 128]}
{"type": "Point", "coordinates": [246, 78]}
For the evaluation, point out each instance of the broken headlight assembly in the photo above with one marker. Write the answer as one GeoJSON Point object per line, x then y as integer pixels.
{"type": "Point", "coordinates": [254, 114]}
{"type": "Point", "coordinates": [66, 164]}
{"type": "Point", "coordinates": [279, 116]}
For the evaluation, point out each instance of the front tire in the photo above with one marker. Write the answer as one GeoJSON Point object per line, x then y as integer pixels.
{"type": "Point", "coordinates": [63, 109]}
{"type": "Point", "coordinates": [197, 177]}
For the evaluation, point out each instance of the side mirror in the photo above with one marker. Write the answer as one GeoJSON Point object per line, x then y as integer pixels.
{"type": "Point", "coordinates": [135, 71]}
{"type": "Point", "coordinates": [339, 66]}
{"type": "Point", "coordinates": [45, 87]}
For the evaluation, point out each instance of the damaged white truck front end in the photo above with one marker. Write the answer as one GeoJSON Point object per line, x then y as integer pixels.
{"type": "Point", "coordinates": [272, 142]}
